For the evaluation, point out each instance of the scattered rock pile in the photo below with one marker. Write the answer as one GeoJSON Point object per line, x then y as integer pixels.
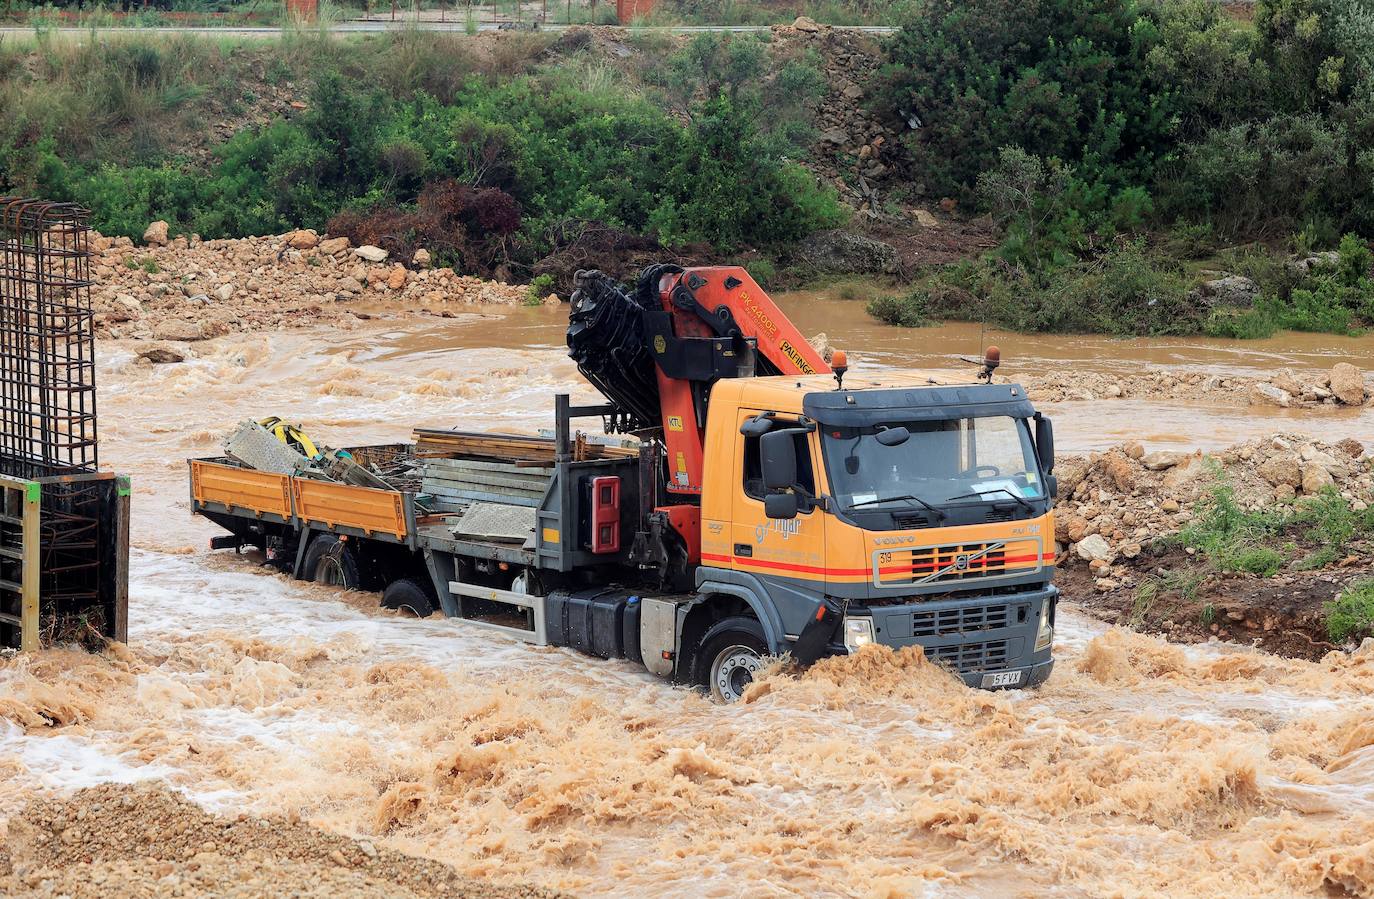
{"type": "Point", "coordinates": [1343, 385]}
{"type": "Point", "coordinates": [1113, 504]}
{"type": "Point", "coordinates": [185, 289]}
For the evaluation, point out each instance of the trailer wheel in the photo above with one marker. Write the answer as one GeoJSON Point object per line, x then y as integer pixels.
{"type": "Point", "coordinates": [731, 652]}
{"type": "Point", "coordinates": [328, 560]}
{"type": "Point", "coordinates": [411, 595]}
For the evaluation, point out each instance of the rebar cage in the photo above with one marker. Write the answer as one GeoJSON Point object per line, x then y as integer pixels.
{"type": "Point", "coordinates": [47, 340]}
{"type": "Point", "coordinates": [63, 523]}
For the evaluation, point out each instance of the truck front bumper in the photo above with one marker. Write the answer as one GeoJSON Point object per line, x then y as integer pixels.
{"type": "Point", "coordinates": [988, 641]}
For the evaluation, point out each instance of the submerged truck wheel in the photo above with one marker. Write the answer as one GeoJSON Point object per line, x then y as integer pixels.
{"type": "Point", "coordinates": [732, 651]}
{"type": "Point", "coordinates": [328, 560]}
{"type": "Point", "coordinates": [410, 595]}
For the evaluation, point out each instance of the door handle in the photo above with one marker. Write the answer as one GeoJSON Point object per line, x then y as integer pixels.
{"type": "Point", "coordinates": [744, 549]}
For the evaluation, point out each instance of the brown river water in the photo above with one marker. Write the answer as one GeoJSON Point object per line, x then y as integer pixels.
{"type": "Point", "coordinates": [1140, 769]}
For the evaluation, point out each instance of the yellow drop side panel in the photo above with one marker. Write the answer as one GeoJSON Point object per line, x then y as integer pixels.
{"type": "Point", "coordinates": [241, 488]}
{"type": "Point", "coordinates": [368, 509]}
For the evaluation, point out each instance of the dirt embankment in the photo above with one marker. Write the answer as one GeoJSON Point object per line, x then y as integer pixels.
{"type": "Point", "coordinates": [126, 841]}
{"type": "Point", "coordinates": [185, 289]}
{"type": "Point", "coordinates": [1120, 517]}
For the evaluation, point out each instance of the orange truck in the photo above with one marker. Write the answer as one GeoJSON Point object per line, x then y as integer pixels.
{"type": "Point", "coordinates": [769, 505]}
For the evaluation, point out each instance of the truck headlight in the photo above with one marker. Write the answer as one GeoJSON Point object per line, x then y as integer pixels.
{"type": "Point", "coordinates": [1044, 636]}
{"type": "Point", "coordinates": [857, 632]}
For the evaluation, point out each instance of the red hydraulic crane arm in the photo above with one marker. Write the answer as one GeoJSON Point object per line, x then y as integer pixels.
{"type": "Point", "coordinates": [719, 323]}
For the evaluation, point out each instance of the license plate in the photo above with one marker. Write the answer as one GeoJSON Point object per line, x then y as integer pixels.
{"type": "Point", "coordinates": [1002, 679]}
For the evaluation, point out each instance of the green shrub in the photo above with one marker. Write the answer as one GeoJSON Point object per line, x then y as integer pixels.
{"type": "Point", "coordinates": [1351, 613]}
{"type": "Point", "coordinates": [540, 287]}
{"type": "Point", "coordinates": [906, 312]}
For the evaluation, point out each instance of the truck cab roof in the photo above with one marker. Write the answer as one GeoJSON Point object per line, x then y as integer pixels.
{"type": "Point", "coordinates": [873, 398]}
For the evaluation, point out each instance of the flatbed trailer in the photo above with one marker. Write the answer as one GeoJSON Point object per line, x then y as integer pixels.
{"type": "Point", "coordinates": [370, 538]}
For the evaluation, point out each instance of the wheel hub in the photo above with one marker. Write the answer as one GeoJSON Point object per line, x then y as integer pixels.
{"type": "Point", "coordinates": [735, 671]}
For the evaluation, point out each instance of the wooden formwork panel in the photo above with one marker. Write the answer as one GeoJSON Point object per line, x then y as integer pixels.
{"type": "Point", "coordinates": [241, 488]}
{"type": "Point", "coordinates": [368, 509]}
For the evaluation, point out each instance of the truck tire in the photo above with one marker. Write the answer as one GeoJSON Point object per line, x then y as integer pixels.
{"type": "Point", "coordinates": [410, 594]}
{"type": "Point", "coordinates": [328, 560]}
{"type": "Point", "coordinates": [731, 652]}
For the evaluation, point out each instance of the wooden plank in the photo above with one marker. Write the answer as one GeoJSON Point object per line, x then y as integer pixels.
{"type": "Point", "coordinates": [28, 631]}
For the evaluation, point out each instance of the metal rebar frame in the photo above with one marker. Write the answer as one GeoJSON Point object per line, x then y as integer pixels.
{"type": "Point", "coordinates": [47, 340]}
{"type": "Point", "coordinates": [63, 523]}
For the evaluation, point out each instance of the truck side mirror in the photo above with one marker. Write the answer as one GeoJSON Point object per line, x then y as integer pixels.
{"type": "Point", "coordinates": [779, 458]}
{"type": "Point", "coordinates": [1044, 443]}
{"type": "Point", "coordinates": [780, 505]}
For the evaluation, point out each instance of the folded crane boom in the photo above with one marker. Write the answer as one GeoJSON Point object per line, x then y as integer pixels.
{"type": "Point", "coordinates": [656, 354]}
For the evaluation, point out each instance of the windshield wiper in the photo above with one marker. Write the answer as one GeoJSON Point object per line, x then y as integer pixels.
{"type": "Point", "coordinates": [982, 493]}
{"type": "Point", "coordinates": [939, 513]}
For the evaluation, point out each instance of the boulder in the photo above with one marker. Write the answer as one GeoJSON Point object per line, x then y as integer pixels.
{"type": "Point", "coordinates": [845, 253]}
{"type": "Point", "coordinates": [1231, 290]}
{"type": "Point", "coordinates": [1283, 467]}
{"type": "Point", "coordinates": [1093, 547]}
{"type": "Point", "coordinates": [1351, 447]}
{"type": "Point", "coordinates": [177, 329]}
{"type": "Point", "coordinates": [807, 24]}
{"type": "Point", "coordinates": [349, 284]}
{"type": "Point", "coordinates": [1120, 472]}
{"type": "Point", "coordinates": [397, 278]}
{"type": "Point", "coordinates": [126, 308]}
{"type": "Point", "coordinates": [1161, 460]}
{"type": "Point", "coordinates": [304, 239]}
{"type": "Point", "coordinates": [163, 353]}
{"type": "Point", "coordinates": [925, 219]}
{"type": "Point", "coordinates": [1263, 394]}
{"type": "Point", "coordinates": [371, 254]}
{"type": "Point", "coordinates": [156, 235]}
{"type": "Point", "coordinates": [421, 259]}
{"type": "Point", "coordinates": [334, 246]}
{"type": "Point", "coordinates": [224, 293]}
{"type": "Point", "coordinates": [1347, 383]}
{"type": "Point", "coordinates": [1315, 477]}
{"type": "Point", "coordinates": [1135, 450]}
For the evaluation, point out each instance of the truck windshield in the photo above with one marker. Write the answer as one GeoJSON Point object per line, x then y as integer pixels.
{"type": "Point", "coordinates": [966, 460]}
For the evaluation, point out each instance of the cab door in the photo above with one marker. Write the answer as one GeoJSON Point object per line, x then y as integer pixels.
{"type": "Point", "coordinates": [791, 550]}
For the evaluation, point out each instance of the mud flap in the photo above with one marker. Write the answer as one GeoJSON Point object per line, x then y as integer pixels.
{"type": "Point", "coordinates": [816, 637]}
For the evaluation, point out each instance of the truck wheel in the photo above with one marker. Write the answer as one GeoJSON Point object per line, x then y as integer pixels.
{"type": "Point", "coordinates": [328, 560]}
{"type": "Point", "coordinates": [411, 595]}
{"type": "Point", "coordinates": [731, 652]}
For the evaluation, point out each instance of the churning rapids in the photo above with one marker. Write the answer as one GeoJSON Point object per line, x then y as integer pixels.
{"type": "Point", "coordinates": [1141, 768]}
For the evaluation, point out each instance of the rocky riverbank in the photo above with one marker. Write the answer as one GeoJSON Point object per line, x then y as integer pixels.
{"type": "Point", "coordinates": [1343, 385]}
{"type": "Point", "coordinates": [186, 289]}
{"type": "Point", "coordinates": [1132, 529]}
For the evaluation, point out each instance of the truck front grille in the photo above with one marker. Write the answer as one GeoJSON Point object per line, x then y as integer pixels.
{"type": "Point", "coordinates": [951, 563]}
{"type": "Point", "coordinates": [970, 656]}
{"type": "Point", "coordinates": [943, 622]}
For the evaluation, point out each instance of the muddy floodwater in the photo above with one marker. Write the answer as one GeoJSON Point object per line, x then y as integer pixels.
{"type": "Point", "coordinates": [1141, 768]}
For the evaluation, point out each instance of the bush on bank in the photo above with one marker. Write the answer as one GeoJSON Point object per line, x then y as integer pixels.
{"type": "Point", "coordinates": [380, 126]}
{"type": "Point", "coordinates": [1083, 126]}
